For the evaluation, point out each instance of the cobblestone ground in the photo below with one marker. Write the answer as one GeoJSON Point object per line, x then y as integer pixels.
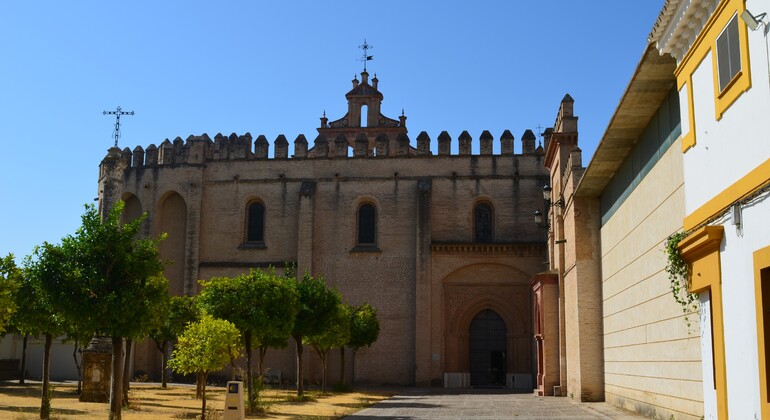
{"type": "Point", "coordinates": [486, 405]}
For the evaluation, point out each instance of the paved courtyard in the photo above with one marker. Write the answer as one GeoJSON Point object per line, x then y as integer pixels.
{"type": "Point", "coordinates": [486, 404]}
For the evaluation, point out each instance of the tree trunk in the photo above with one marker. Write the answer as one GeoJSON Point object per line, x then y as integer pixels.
{"type": "Point", "coordinates": [116, 382]}
{"type": "Point", "coordinates": [198, 386]}
{"type": "Point", "coordinates": [45, 400]}
{"type": "Point", "coordinates": [300, 385]}
{"type": "Point", "coordinates": [262, 352]}
{"type": "Point", "coordinates": [342, 366]}
{"type": "Point", "coordinates": [163, 361]}
{"type": "Point", "coordinates": [203, 394]}
{"type": "Point", "coordinates": [78, 366]}
{"type": "Point", "coordinates": [250, 393]}
{"type": "Point", "coordinates": [323, 374]}
{"type": "Point", "coordinates": [22, 372]}
{"type": "Point", "coordinates": [127, 371]}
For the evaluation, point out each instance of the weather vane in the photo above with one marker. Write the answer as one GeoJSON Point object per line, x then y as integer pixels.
{"type": "Point", "coordinates": [366, 57]}
{"type": "Point", "coordinates": [117, 113]}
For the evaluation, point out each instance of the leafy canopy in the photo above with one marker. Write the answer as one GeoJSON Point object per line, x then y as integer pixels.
{"type": "Point", "coordinates": [364, 326]}
{"type": "Point", "coordinates": [205, 346]}
{"type": "Point", "coordinates": [176, 313]}
{"type": "Point", "coordinates": [10, 277]}
{"type": "Point", "coordinates": [36, 313]}
{"type": "Point", "coordinates": [113, 279]}
{"type": "Point", "coordinates": [317, 306]}
{"type": "Point", "coordinates": [337, 333]}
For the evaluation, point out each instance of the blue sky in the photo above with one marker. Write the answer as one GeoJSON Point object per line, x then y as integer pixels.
{"type": "Point", "coordinates": [273, 67]}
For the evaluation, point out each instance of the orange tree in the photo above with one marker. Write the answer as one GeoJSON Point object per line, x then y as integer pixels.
{"type": "Point", "coordinates": [317, 310]}
{"type": "Point", "coordinates": [205, 346]}
{"type": "Point", "coordinates": [113, 283]}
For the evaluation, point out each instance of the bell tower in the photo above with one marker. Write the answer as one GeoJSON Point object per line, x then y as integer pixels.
{"type": "Point", "coordinates": [363, 117]}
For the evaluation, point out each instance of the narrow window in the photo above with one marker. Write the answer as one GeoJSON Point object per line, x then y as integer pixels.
{"type": "Point", "coordinates": [367, 224]}
{"type": "Point", "coordinates": [728, 53]}
{"type": "Point", "coordinates": [482, 215]}
{"type": "Point", "coordinates": [255, 230]}
{"type": "Point", "coordinates": [364, 116]}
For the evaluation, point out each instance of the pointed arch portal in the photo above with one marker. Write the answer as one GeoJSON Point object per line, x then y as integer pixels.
{"type": "Point", "coordinates": [487, 349]}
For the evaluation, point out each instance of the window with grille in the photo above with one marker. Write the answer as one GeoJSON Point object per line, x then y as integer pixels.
{"type": "Point", "coordinates": [255, 223]}
{"type": "Point", "coordinates": [482, 225]}
{"type": "Point", "coordinates": [728, 54]}
{"type": "Point", "coordinates": [367, 225]}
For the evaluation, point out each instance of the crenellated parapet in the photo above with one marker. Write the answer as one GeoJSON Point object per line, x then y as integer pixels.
{"type": "Point", "coordinates": [197, 150]}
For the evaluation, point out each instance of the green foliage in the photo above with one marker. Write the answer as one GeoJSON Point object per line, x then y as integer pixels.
{"type": "Point", "coordinates": [176, 313]}
{"type": "Point", "coordinates": [205, 346]}
{"type": "Point", "coordinates": [337, 334]}
{"type": "Point", "coordinates": [10, 277]}
{"type": "Point", "coordinates": [262, 305]}
{"type": "Point", "coordinates": [678, 272]}
{"type": "Point", "coordinates": [317, 306]}
{"type": "Point", "coordinates": [36, 313]}
{"type": "Point", "coordinates": [364, 326]}
{"type": "Point", "coordinates": [113, 280]}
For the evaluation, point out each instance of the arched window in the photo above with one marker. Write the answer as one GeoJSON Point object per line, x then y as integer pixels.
{"type": "Point", "coordinates": [364, 115]}
{"type": "Point", "coordinates": [255, 222]}
{"type": "Point", "coordinates": [482, 223]}
{"type": "Point", "coordinates": [367, 225]}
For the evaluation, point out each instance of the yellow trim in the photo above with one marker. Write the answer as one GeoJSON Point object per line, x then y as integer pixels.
{"type": "Point", "coordinates": [701, 250]}
{"type": "Point", "coordinates": [688, 140]}
{"type": "Point", "coordinates": [705, 43]}
{"type": "Point", "coordinates": [749, 183]}
{"type": "Point", "coordinates": [761, 261]}
{"type": "Point", "coordinates": [741, 82]}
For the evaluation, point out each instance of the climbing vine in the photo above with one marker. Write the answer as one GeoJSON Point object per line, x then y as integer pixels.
{"type": "Point", "coordinates": [677, 274]}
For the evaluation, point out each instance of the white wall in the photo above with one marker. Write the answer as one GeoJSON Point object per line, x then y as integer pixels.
{"type": "Point", "coordinates": [727, 149]}
{"type": "Point", "coordinates": [62, 363]}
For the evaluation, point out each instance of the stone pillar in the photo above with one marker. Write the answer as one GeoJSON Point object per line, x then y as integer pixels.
{"type": "Point", "coordinates": [545, 287]}
{"type": "Point", "coordinates": [361, 148]}
{"type": "Point", "coordinates": [423, 354]}
{"type": "Point", "coordinates": [261, 147]}
{"type": "Point", "coordinates": [506, 143]}
{"type": "Point", "coordinates": [341, 146]}
{"type": "Point", "coordinates": [97, 370]}
{"type": "Point", "coordinates": [305, 220]}
{"type": "Point", "coordinates": [423, 144]}
{"type": "Point", "coordinates": [528, 142]}
{"type": "Point", "coordinates": [321, 147]}
{"type": "Point", "coordinates": [465, 140]}
{"type": "Point", "coordinates": [485, 143]}
{"type": "Point", "coordinates": [300, 147]}
{"type": "Point", "coordinates": [281, 147]}
{"type": "Point", "coordinates": [444, 143]}
{"type": "Point", "coordinates": [382, 145]}
{"type": "Point", "coordinates": [111, 172]}
{"type": "Point", "coordinates": [402, 144]}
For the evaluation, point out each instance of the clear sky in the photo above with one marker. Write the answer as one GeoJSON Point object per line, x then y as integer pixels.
{"type": "Point", "coordinates": [273, 67]}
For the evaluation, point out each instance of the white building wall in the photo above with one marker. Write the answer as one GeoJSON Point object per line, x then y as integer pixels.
{"type": "Point", "coordinates": [62, 364]}
{"type": "Point", "coordinates": [725, 151]}
{"type": "Point", "coordinates": [740, 316]}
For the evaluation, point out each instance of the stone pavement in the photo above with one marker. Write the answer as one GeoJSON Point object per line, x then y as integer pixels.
{"type": "Point", "coordinates": [485, 404]}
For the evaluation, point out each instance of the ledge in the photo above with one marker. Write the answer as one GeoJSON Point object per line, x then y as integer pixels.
{"type": "Point", "coordinates": [365, 249]}
{"type": "Point", "coordinates": [252, 245]}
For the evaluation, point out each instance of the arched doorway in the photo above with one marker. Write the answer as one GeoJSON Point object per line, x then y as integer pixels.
{"type": "Point", "coordinates": [487, 349]}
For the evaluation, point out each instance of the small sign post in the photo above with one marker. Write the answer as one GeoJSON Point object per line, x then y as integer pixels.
{"type": "Point", "coordinates": [234, 409]}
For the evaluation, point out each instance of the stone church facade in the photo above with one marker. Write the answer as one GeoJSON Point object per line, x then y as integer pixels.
{"type": "Point", "coordinates": [442, 243]}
